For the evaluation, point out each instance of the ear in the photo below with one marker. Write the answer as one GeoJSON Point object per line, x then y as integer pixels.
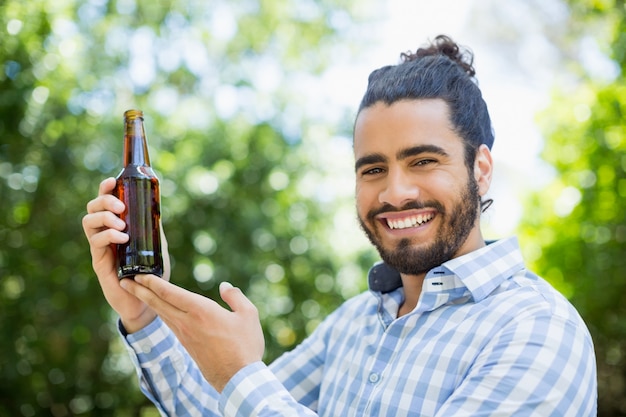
{"type": "Point", "coordinates": [483, 168]}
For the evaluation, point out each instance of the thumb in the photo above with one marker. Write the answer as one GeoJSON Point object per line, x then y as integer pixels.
{"type": "Point", "coordinates": [235, 299]}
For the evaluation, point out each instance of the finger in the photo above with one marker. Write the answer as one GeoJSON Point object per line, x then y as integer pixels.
{"type": "Point", "coordinates": [105, 199]}
{"type": "Point", "coordinates": [152, 299]}
{"type": "Point", "coordinates": [235, 299]}
{"type": "Point", "coordinates": [94, 222]}
{"type": "Point", "coordinates": [172, 294]}
{"type": "Point", "coordinates": [105, 238]}
{"type": "Point", "coordinates": [144, 295]}
{"type": "Point", "coordinates": [106, 186]}
{"type": "Point", "coordinates": [106, 202]}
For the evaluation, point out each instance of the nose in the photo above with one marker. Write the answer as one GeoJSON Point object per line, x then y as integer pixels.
{"type": "Point", "coordinates": [399, 189]}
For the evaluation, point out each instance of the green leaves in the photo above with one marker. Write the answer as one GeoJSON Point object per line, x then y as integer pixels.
{"type": "Point", "coordinates": [243, 199]}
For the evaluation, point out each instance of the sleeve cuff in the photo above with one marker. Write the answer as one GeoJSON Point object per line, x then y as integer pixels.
{"type": "Point", "coordinates": [250, 390]}
{"type": "Point", "coordinates": [147, 344]}
{"type": "Point", "coordinates": [255, 391]}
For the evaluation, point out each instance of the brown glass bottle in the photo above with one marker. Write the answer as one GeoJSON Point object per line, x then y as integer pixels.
{"type": "Point", "coordinates": [138, 188]}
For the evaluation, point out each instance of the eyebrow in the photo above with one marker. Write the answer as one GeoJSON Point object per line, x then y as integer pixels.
{"type": "Point", "coordinates": [376, 158]}
{"type": "Point", "coordinates": [420, 149]}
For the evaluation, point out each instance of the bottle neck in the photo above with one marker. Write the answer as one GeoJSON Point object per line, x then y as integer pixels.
{"type": "Point", "coordinates": [135, 142]}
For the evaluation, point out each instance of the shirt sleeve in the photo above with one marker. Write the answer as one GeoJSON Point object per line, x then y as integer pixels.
{"type": "Point", "coordinates": [538, 365]}
{"type": "Point", "coordinates": [290, 386]}
{"type": "Point", "coordinates": [172, 381]}
{"type": "Point", "coordinates": [167, 374]}
{"type": "Point", "coordinates": [256, 392]}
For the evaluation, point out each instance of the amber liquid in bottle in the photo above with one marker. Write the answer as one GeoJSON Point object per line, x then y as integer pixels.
{"type": "Point", "coordinates": [138, 188]}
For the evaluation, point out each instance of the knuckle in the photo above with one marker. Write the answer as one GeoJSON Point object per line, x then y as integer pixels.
{"type": "Point", "coordinates": [251, 310]}
{"type": "Point", "coordinates": [90, 205]}
{"type": "Point", "coordinates": [162, 292]}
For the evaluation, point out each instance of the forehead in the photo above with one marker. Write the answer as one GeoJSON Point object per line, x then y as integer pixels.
{"type": "Point", "coordinates": [384, 128]}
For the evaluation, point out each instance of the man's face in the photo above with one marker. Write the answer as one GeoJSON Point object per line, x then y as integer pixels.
{"type": "Point", "coordinates": [416, 199]}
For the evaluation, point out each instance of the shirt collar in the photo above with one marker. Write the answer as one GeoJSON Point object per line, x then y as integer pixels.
{"type": "Point", "coordinates": [480, 272]}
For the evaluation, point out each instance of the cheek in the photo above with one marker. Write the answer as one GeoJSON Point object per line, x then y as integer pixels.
{"type": "Point", "coordinates": [446, 189]}
{"type": "Point", "coordinates": [362, 196]}
{"type": "Point", "coordinates": [440, 186]}
{"type": "Point", "coordinates": [442, 183]}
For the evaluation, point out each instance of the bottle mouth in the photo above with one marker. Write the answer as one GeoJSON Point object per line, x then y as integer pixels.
{"type": "Point", "coordinates": [133, 114]}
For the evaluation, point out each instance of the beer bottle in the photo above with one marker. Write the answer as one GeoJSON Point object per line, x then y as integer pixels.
{"type": "Point", "coordinates": [138, 188]}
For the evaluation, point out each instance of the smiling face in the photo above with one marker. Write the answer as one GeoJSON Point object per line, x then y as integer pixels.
{"type": "Point", "coordinates": [417, 201]}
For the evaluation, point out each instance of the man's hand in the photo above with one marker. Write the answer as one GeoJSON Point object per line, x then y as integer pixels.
{"type": "Point", "coordinates": [104, 229]}
{"type": "Point", "coordinates": [220, 341]}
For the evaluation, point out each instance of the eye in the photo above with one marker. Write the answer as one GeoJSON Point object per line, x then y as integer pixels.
{"type": "Point", "coordinates": [372, 171]}
{"type": "Point", "coordinates": [424, 162]}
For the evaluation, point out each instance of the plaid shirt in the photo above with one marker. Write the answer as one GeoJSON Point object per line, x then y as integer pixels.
{"type": "Point", "coordinates": [487, 338]}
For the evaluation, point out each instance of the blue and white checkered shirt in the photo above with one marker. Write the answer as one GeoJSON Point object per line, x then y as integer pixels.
{"type": "Point", "coordinates": [487, 338]}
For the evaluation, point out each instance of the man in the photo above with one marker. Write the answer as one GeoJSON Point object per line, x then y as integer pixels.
{"type": "Point", "coordinates": [451, 326]}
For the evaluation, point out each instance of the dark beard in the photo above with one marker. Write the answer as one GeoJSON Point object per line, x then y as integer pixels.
{"type": "Point", "coordinates": [452, 234]}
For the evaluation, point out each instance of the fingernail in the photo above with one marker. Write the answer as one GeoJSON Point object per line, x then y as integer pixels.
{"type": "Point", "coordinates": [124, 283]}
{"type": "Point", "coordinates": [139, 279]}
{"type": "Point", "coordinates": [225, 286]}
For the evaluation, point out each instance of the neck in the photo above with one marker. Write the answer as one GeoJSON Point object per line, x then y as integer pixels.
{"type": "Point", "coordinates": [412, 285]}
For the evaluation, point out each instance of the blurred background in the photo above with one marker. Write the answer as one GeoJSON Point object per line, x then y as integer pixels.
{"type": "Point", "coordinates": [249, 108]}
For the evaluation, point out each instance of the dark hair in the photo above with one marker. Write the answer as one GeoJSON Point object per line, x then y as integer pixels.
{"type": "Point", "coordinates": [441, 70]}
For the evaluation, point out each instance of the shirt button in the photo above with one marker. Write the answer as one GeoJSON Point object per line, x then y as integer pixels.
{"type": "Point", "coordinates": [374, 377]}
{"type": "Point", "coordinates": [146, 349]}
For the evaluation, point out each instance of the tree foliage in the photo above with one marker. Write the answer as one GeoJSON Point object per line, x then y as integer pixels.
{"type": "Point", "coordinates": [578, 221]}
{"type": "Point", "coordinates": [241, 167]}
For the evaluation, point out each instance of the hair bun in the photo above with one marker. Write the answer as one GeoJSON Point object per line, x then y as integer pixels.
{"type": "Point", "coordinates": [444, 45]}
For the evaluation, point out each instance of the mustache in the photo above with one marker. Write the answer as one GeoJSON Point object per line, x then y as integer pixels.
{"type": "Point", "coordinates": [412, 205]}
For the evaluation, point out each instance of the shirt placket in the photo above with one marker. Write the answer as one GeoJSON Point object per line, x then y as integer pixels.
{"type": "Point", "coordinates": [374, 373]}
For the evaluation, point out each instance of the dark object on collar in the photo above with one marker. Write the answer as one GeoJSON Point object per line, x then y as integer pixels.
{"type": "Point", "coordinates": [384, 278]}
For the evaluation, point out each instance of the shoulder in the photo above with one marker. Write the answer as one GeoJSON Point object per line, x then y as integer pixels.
{"type": "Point", "coordinates": [527, 306]}
{"type": "Point", "coordinates": [536, 295]}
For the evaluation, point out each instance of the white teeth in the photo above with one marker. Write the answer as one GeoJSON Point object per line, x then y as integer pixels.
{"type": "Point", "coordinates": [412, 221]}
